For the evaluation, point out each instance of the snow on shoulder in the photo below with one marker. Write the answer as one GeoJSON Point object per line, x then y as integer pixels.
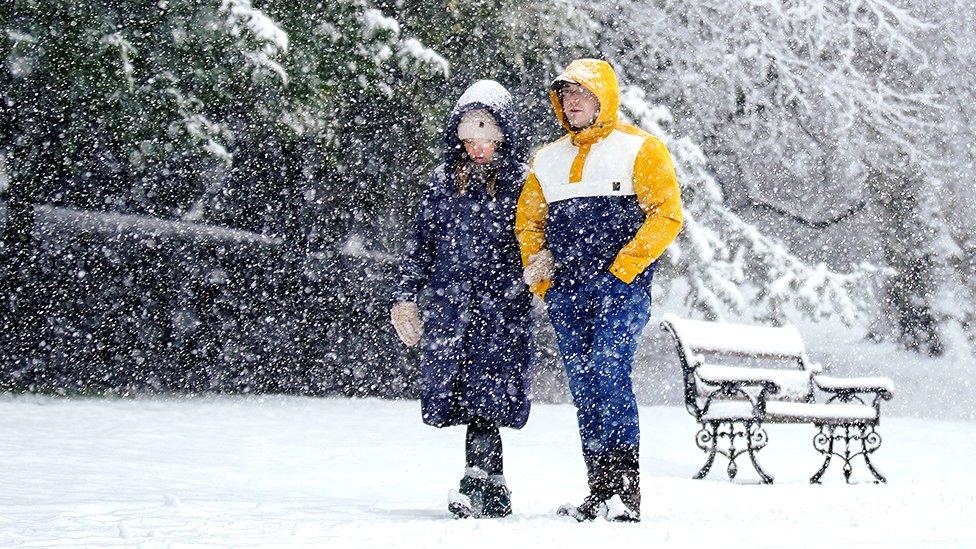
{"type": "Point", "coordinates": [488, 93]}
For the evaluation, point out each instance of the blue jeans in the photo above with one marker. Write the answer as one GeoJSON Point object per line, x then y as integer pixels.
{"type": "Point", "coordinates": [598, 324]}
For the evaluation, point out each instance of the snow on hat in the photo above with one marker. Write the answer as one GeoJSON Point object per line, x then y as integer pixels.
{"type": "Point", "coordinates": [488, 93]}
{"type": "Point", "coordinates": [479, 124]}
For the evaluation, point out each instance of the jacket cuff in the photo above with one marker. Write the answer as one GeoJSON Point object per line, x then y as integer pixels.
{"type": "Point", "coordinates": [403, 295]}
{"type": "Point", "coordinates": [540, 288]}
{"type": "Point", "coordinates": [626, 267]}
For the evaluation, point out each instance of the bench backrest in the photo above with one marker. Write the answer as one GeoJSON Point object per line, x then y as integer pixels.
{"type": "Point", "coordinates": [698, 339]}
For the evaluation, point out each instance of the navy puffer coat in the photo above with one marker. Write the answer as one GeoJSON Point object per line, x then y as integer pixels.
{"type": "Point", "coordinates": [462, 263]}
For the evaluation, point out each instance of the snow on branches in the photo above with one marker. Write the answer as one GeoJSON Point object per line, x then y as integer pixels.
{"type": "Point", "coordinates": [730, 266]}
{"type": "Point", "coordinates": [271, 39]}
{"type": "Point", "coordinates": [383, 36]}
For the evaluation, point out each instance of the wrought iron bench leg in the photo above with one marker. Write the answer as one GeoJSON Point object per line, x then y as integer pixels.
{"type": "Point", "coordinates": [823, 441]}
{"type": "Point", "coordinates": [866, 438]}
{"type": "Point", "coordinates": [707, 440]}
{"type": "Point", "coordinates": [869, 443]}
{"type": "Point", "coordinates": [756, 437]}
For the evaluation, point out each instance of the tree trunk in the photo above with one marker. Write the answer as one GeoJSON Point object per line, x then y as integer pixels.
{"type": "Point", "coordinates": [907, 233]}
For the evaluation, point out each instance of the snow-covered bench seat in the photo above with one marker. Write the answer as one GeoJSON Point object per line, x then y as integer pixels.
{"type": "Point", "coordinates": [731, 396]}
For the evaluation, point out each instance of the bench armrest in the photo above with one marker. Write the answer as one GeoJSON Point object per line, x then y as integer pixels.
{"type": "Point", "coordinates": [882, 386]}
{"type": "Point", "coordinates": [794, 380]}
{"type": "Point", "coordinates": [731, 382]}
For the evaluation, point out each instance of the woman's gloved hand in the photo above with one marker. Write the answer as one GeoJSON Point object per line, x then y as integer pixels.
{"type": "Point", "coordinates": [406, 321]}
{"type": "Point", "coordinates": [542, 266]}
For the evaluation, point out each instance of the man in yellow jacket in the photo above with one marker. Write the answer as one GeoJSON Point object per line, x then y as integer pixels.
{"type": "Point", "coordinates": [598, 208]}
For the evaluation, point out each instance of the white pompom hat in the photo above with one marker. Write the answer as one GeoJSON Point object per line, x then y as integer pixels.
{"type": "Point", "coordinates": [479, 124]}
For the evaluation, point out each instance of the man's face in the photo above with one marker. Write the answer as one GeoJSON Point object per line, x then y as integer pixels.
{"type": "Point", "coordinates": [580, 106]}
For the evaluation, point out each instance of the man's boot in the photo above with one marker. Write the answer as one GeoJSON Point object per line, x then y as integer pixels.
{"type": "Point", "coordinates": [469, 499]}
{"type": "Point", "coordinates": [624, 503]}
{"type": "Point", "coordinates": [594, 504]}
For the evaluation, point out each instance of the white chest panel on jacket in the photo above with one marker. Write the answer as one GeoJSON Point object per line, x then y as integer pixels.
{"type": "Point", "coordinates": [608, 170]}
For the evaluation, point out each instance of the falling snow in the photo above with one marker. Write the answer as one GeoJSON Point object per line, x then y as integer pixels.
{"type": "Point", "coordinates": [213, 198]}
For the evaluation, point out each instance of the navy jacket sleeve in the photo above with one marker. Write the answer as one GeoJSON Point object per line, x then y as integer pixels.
{"type": "Point", "coordinates": [418, 252]}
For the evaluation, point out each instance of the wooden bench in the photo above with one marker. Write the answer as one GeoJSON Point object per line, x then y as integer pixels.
{"type": "Point", "coordinates": [731, 392]}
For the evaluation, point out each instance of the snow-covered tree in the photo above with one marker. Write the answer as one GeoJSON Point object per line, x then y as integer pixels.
{"type": "Point", "coordinates": [730, 266]}
{"type": "Point", "coordinates": [951, 46]}
{"type": "Point", "coordinates": [282, 119]}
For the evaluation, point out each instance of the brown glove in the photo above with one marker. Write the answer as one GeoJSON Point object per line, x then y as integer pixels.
{"type": "Point", "coordinates": [542, 266]}
{"type": "Point", "coordinates": [406, 321]}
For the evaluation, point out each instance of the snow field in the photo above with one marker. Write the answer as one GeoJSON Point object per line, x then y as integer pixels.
{"type": "Point", "coordinates": [291, 471]}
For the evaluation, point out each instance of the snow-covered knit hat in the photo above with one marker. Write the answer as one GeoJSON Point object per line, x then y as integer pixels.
{"type": "Point", "coordinates": [479, 124]}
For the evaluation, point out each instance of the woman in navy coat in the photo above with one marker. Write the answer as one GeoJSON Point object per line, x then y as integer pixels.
{"type": "Point", "coordinates": [462, 264]}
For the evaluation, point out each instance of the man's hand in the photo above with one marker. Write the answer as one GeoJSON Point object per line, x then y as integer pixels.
{"type": "Point", "coordinates": [406, 321]}
{"type": "Point", "coordinates": [541, 267]}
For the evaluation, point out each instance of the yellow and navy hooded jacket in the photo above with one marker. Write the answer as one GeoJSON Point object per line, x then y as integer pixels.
{"type": "Point", "coordinates": [601, 198]}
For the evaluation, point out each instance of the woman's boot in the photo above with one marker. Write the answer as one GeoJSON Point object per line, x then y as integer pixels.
{"type": "Point", "coordinates": [497, 498]}
{"type": "Point", "coordinates": [469, 499]}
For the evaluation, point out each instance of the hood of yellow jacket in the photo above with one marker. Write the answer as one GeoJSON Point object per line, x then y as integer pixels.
{"type": "Point", "coordinates": [599, 78]}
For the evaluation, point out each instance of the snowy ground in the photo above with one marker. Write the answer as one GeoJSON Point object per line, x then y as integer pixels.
{"type": "Point", "coordinates": [248, 471]}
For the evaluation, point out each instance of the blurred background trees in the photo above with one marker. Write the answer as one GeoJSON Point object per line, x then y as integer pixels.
{"type": "Point", "coordinates": [210, 195]}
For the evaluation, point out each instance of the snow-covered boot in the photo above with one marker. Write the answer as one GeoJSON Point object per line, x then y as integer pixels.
{"type": "Point", "coordinates": [468, 500]}
{"type": "Point", "coordinates": [497, 498]}
{"type": "Point", "coordinates": [624, 504]}
{"type": "Point", "coordinates": [594, 504]}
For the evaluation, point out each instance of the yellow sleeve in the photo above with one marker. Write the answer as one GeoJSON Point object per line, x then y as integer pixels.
{"type": "Point", "coordinates": [530, 225]}
{"type": "Point", "coordinates": [657, 192]}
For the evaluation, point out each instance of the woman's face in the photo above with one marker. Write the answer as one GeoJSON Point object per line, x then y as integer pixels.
{"type": "Point", "coordinates": [481, 151]}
